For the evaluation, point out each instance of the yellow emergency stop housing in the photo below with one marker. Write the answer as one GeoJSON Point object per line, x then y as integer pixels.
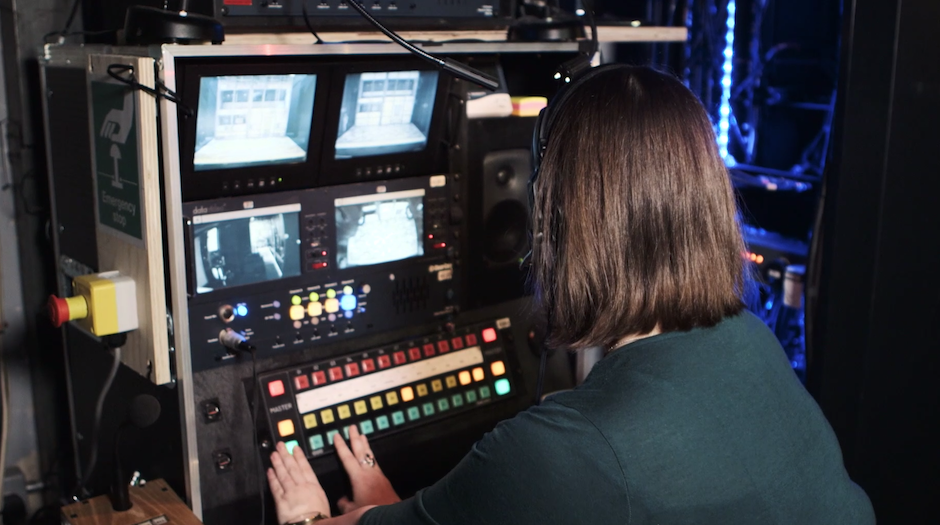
{"type": "Point", "coordinates": [111, 302]}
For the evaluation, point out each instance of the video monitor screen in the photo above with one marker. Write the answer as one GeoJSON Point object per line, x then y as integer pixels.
{"type": "Point", "coordinates": [380, 228]}
{"type": "Point", "coordinates": [385, 113]}
{"type": "Point", "coordinates": [245, 247]}
{"type": "Point", "coordinates": [253, 120]}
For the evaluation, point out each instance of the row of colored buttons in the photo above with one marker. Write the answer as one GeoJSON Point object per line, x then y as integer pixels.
{"type": "Point", "coordinates": [302, 382]}
{"type": "Point", "coordinates": [399, 417]}
{"type": "Point", "coordinates": [405, 395]}
{"type": "Point", "coordinates": [346, 302]}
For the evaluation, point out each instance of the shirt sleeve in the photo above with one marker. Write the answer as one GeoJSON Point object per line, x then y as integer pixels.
{"type": "Point", "coordinates": [546, 465]}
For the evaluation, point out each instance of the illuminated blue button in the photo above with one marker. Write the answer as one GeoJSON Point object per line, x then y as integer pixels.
{"type": "Point", "coordinates": [366, 427]}
{"type": "Point", "coordinates": [348, 303]}
{"type": "Point", "coordinates": [381, 422]}
{"type": "Point", "coordinates": [316, 442]}
{"type": "Point", "coordinates": [348, 314]}
{"type": "Point", "coordinates": [502, 387]}
{"type": "Point", "coordinates": [428, 409]}
{"type": "Point", "coordinates": [398, 417]}
{"type": "Point", "coordinates": [241, 310]}
{"type": "Point", "coordinates": [413, 413]}
{"type": "Point", "coordinates": [291, 445]}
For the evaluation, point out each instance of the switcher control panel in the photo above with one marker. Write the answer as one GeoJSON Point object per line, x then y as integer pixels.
{"type": "Point", "coordinates": [386, 390]}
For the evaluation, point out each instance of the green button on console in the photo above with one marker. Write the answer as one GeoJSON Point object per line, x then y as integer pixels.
{"type": "Point", "coordinates": [428, 409]}
{"type": "Point", "coordinates": [316, 442]}
{"type": "Point", "coordinates": [381, 422]}
{"type": "Point", "coordinates": [471, 396]}
{"type": "Point", "coordinates": [291, 445]}
{"type": "Point", "coordinates": [366, 427]}
{"type": "Point", "coordinates": [484, 392]}
{"type": "Point", "coordinates": [398, 417]}
{"type": "Point", "coordinates": [443, 404]}
{"type": "Point", "coordinates": [413, 413]}
{"type": "Point", "coordinates": [330, 435]}
{"type": "Point", "coordinates": [502, 386]}
{"type": "Point", "coordinates": [456, 400]}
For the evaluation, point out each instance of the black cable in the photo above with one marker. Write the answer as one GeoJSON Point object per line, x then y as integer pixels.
{"type": "Point", "coordinates": [303, 4]}
{"type": "Point", "coordinates": [395, 38]}
{"type": "Point", "coordinates": [96, 426]}
{"type": "Point", "coordinates": [115, 71]}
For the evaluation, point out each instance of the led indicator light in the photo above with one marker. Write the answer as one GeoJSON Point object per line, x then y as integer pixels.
{"type": "Point", "coordinates": [314, 297]}
{"type": "Point", "coordinates": [241, 310]}
{"type": "Point", "coordinates": [502, 387]}
{"type": "Point", "coordinates": [295, 300]}
{"type": "Point", "coordinates": [347, 290]}
{"type": "Point", "coordinates": [331, 294]}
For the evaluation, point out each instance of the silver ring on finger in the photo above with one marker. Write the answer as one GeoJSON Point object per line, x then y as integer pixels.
{"type": "Point", "coordinates": [368, 461]}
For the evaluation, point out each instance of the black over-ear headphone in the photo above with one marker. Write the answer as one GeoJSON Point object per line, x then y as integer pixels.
{"type": "Point", "coordinates": [546, 121]}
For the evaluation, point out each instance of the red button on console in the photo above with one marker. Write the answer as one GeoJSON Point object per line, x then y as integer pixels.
{"type": "Point", "coordinates": [443, 347]}
{"type": "Point", "coordinates": [457, 343]}
{"type": "Point", "coordinates": [471, 339]}
{"type": "Point", "coordinates": [368, 365]}
{"type": "Point", "coordinates": [301, 382]}
{"type": "Point", "coordinates": [352, 369]}
{"type": "Point", "coordinates": [276, 388]}
{"type": "Point", "coordinates": [336, 374]}
{"type": "Point", "coordinates": [319, 265]}
{"type": "Point", "coordinates": [384, 361]}
{"type": "Point", "coordinates": [414, 353]}
{"type": "Point", "coordinates": [489, 335]}
{"type": "Point", "coordinates": [399, 358]}
{"type": "Point", "coordinates": [319, 378]}
{"type": "Point", "coordinates": [429, 350]}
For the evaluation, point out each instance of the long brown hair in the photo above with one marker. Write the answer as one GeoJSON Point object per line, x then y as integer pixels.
{"type": "Point", "coordinates": [636, 214]}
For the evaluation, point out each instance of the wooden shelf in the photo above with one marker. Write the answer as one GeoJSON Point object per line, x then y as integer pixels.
{"type": "Point", "coordinates": [606, 34]}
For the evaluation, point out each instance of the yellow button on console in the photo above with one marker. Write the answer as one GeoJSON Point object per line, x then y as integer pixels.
{"type": "Point", "coordinates": [422, 390]}
{"type": "Point", "coordinates": [331, 306]}
{"type": "Point", "coordinates": [498, 368]}
{"type": "Point", "coordinates": [376, 402]}
{"type": "Point", "coordinates": [343, 411]}
{"type": "Point", "coordinates": [391, 398]}
{"type": "Point", "coordinates": [464, 378]}
{"type": "Point", "coordinates": [297, 313]}
{"type": "Point", "coordinates": [451, 381]}
{"type": "Point", "coordinates": [478, 374]}
{"type": "Point", "coordinates": [436, 385]}
{"type": "Point", "coordinates": [310, 421]}
{"type": "Point", "coordinates": [285, 428]}
{"type": "Point", "coordinates": [327, 416]}
{"type": "Point", "coordinates": [360, 407]}
{"type": "Point", "coordinates": [314, 309]}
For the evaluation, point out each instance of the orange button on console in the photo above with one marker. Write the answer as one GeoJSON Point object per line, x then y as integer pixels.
{"type": "Point", "coordinates": [285, 428]}
{"type": "Point", "coordinates": [297, 313]}
{"type": "Point", "coordinates": [407, 394]}
{"type": "Point", "coordinates": [478, 374]}
{"type": "Point", "coordinates": [498, 368]}
{"type": "Point", "coordinates": [464, 378]}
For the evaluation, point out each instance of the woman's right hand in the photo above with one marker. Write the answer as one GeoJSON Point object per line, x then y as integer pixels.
{"type": "Point", "coordinates": [369, 484]}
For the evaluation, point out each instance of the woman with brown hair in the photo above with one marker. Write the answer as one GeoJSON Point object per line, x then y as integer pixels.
{"type": "Point", "coordinates": [694, 415]}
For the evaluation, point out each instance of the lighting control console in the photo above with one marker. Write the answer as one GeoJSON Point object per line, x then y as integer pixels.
{"type": "Point", "coordinates": [389, 389]}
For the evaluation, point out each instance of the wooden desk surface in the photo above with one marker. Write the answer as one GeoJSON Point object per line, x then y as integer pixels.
{"type": "Point", "coordinates": [154, 504]}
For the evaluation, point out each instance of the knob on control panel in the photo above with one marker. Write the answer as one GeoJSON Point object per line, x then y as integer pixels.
{"type": "Point", "coordinates": [227, 313]}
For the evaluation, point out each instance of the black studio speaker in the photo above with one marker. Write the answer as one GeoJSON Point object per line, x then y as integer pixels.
{"type": "Point", "coordinates": [499, 165]}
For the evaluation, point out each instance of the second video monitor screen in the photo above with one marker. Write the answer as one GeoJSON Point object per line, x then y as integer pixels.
{"type": "Point", "coordinates": [253, 120]}
{"type": "Point", "coordinates": [385, 113]}
{"type": "Point", "coordinates": [379, 228]}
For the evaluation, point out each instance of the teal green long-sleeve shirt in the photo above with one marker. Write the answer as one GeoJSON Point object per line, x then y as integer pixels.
{"type": "Point", "coordinates": [709, 426]}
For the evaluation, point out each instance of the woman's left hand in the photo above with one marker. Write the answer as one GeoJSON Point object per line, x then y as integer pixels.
{"type": "Point", "coordinates": [296, 489]}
